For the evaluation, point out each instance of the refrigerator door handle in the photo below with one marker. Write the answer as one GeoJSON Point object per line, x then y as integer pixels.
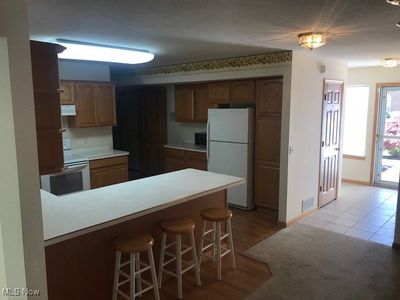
{"type": "Point", "coordinates": [208, 139]}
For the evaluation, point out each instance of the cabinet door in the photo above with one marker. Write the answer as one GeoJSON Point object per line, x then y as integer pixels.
{"type": "Point", "coordinates": [105, 105]}
{"type": "Point", "coordinates": [196, 160]}
{"type": "Point", "coordinates": [201, 100]}
{"type": "Point", "coordinates": [219, 92]}
{"type": "Point", "coordinates": [243, 91]}
{"type": "Point", "coordinates": [174, 159]}
{"type": "Point", "coordinates": [184, 103]}
{"type": "Point", "coordinates": [67, 95]}
{"type": "Point", "coordinates": [267, 186]}
{"type": "Point", "coordinates": [268, 140]}
{"type": "Point", "coordinates": [269, 97]}
{"type": "Point", "coordinates": [108, 171]}
{"type": "Point", "coordinates": [85, 105]}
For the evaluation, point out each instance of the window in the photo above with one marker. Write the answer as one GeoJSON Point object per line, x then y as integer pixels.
{"type": "Point", "coordinates": [355, 120]}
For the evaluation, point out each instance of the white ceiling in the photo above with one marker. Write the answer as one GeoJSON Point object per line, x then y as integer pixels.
{"type": "Point", "coordinates": [360, 31]}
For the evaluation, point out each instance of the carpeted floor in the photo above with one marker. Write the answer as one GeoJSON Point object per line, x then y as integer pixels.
{"type": "Point", "coordinates": [309, 263]}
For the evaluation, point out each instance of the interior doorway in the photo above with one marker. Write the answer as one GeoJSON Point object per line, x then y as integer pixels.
{"type": "Point", "coordinates": [387, 144]}
{"type": "Point", "coordinates": [330, 141]}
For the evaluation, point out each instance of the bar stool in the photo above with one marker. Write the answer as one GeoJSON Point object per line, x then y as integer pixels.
{"type": "Point", "coordinates": [217, 216]}
{"type": "Point", "coordinates": [133, 246]}
{"type": "Point", "coordinates": [178, 227]}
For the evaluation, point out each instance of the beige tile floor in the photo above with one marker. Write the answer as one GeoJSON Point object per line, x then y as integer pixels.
{"type": "Point", "coordinates": [363, 212]}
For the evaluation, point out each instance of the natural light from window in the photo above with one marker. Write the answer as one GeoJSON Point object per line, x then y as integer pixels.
{"type": "Point", "coordinates": [355, 120]}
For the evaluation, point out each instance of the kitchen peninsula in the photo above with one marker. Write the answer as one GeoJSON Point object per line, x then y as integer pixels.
{"type": "Point", "coordinates": [79, 229]}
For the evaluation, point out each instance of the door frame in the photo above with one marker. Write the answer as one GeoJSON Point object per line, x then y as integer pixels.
{"type": "Point", "coordinates": [379, 86]}
{"type": "Point", "coordinates": [340, 156]}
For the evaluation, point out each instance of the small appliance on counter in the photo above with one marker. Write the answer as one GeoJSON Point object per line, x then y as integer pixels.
{"type": "Point", "coordinates": [200, 139]}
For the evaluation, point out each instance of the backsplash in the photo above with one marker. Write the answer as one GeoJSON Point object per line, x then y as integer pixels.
{"type": "Point", "coordinates": [88, 137]}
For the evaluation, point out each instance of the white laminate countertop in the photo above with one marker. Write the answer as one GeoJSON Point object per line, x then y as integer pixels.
{"type": "Point", "coordinates": [91, 154]}
{"type": "Point", "coordinates": [186, 146]}
{"type": "Point", "coordinates": [75, 214]}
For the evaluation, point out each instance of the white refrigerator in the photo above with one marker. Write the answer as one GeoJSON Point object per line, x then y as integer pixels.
{"type": "Point", "coordinates": [230, 150]}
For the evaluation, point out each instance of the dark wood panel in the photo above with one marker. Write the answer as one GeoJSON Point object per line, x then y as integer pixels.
{"type": "Point", "coordinates": [243, 91]}
{"type": "Point", "coordinates": [87, 261]}
{"type": "Point", "coordinates": [219, 92]}
{"type": "Point", "coordinates": [268, 137]}
{"type": "Point", "coordinates": [184, 103]}
{"type": "Point", "coordinates": [269, 97]}
{"type": "Point", "coordinates": [85, 105]}
{"type": "Point", "coordinates": [201, 100]}
{"type": "Point", "coordinates": [105, 105]}
{"type": "Point", "coordinates": [267, 186]}
{"type": "Point", "coordinates": [50, 151]}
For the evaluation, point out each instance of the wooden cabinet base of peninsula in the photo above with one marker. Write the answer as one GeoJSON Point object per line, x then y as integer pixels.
{"type": "Point", "coordinates": [82, 268]}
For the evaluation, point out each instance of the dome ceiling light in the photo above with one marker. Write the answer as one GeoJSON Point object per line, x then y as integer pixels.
{"type": "Point", "coordinates": [389, 63]}
{"type": "Point", "coordinates": [394, 2]}
{"type": "Point", "coordinates": [312, 40]}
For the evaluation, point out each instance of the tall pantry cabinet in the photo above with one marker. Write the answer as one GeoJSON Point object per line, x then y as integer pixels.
{"type": "Point", "coordinates": [268, 140]}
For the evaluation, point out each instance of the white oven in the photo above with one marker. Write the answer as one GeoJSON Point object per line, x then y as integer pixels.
{"type": "Point", "coordinates": [74, 178]}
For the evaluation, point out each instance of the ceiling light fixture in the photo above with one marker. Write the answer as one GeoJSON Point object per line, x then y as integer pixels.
{"type": "Point", "coordinates": [102, 53]}
{"type": "Point", "coordinates": [389, 63]}
{"type": "Point", "coordinates": [312, 40]}
{"type": "Point", "coordinates": [394, 2]}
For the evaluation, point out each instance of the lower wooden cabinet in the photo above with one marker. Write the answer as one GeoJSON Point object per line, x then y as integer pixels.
{"type": "Point", "coordinates": [176, 159]}
{"type": "Point", "coordinates": [108, 171]}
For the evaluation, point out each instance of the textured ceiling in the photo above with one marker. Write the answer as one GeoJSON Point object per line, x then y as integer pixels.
{"type": "Point", "coordinates": [360, 31]}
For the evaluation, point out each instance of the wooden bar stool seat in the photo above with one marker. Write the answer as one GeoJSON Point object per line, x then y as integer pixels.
{"type": "Point", "coordinates": [216, 216]}
{"type": "Point", "coordinates": [178, 227]}
{"type": "Point", "coordinates": [133, 246]}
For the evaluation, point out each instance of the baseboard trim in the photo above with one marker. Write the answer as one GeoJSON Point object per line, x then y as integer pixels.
{"type": "Point", "coordinates": [355, 181]}
{"type": "Point", "coordinates": [396, 246]}
{"type": "Point", "coordinates": [296, 219]}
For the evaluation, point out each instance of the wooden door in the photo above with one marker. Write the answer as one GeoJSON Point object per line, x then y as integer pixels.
{"type": "Point", "coordinates": [67, 95]}
{"type": "Point", "coordinates": [201, 101]}
{"type": "Point", "coordinates": [219, 92]}
{"type": "Point", "coordinates": [184, 103]}
{"type": "Point", "coordinates": [47, 106]}
{"type": "Point", "coordinates": [242, 91]}
{"type": "Point", "coordinates": [196, 160]}
{"type": "Point", "coordinates": [105, 105]}
{"type": "Point", "coordinates": [174, 159]}
{"type": "Point", "coordinates": [330, 140]}
{"type": "Point", "coordinates": [152, 130]}
{"type": "Point", "coordinates": [85, 105]}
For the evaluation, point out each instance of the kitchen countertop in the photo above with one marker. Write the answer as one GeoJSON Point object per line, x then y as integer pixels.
{"type": "Point", "coordinates": [75, 214]}
{"type": "Point", "coordinates": [186, 146]}
{"type": "Point", "coordinates": [72, 156]}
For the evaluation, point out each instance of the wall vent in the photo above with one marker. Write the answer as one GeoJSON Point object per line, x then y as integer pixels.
{"type": "Point", "coordinates": [308, 204]}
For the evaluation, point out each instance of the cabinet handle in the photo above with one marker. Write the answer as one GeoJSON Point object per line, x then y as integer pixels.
{"type": "Point", "coordinates": [62, 130]}
{"type": "Point", "coordinates": [60, 90]}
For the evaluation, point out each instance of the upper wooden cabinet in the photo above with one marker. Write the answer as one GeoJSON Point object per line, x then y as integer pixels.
{"type": "Point", "coordinates": [219, 92]}
{"type": "Point", "coordinates": [191, 103]}
{"type": "Point", "coordinates": [95, 103]}
{"type": "Point", "coordinates": [47, 106]}
{"type": "Point", "coordinates": [269, 97]}
{"type": "Point", "coordinates": [242, 91]}
{"type": "Point", "coordinates": [67, 95]}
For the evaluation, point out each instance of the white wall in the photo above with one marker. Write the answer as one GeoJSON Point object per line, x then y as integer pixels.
{"type": "Point", "coordinates": [179, 132]}
{"type": "Point", "coordinates": [20, 205]}
{"type": "Point", "coordinates": [86, 137]}
{"type": "Point", "coordinates": [359, 170]}
{"type": "Point", "coordinates": [282, 69]}
{"type": "Point", "coordinates": [305, 125]}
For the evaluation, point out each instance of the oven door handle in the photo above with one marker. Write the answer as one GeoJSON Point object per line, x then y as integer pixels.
{"type": "Point", "coordinates": [75, 167]}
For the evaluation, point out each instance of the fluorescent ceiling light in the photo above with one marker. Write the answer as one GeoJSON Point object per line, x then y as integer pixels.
{"type": "Point", "coordinates": [389, 63]}
{"type": "Point", "coordinates": [92, 52]}
{"type": "Point", "coordinates": [312, 40]}
{"type": "Point", "coordinates": [394, 2]}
